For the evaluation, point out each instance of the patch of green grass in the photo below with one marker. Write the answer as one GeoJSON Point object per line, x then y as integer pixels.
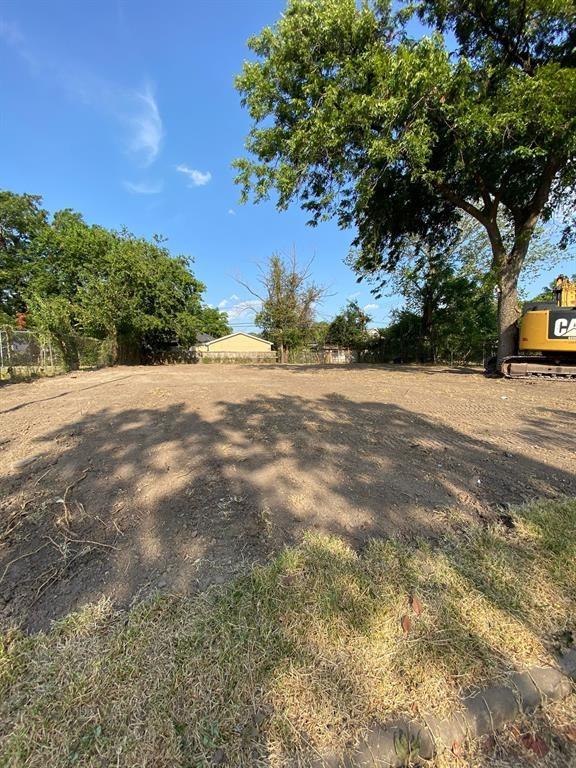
{"type": "Point", "coordinates": [297, 656]}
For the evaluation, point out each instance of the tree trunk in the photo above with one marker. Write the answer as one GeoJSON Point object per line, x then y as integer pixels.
{"type": "Point", "coordinates": [507, 268]}
{"type": "Point", "coordinates": [428, 352]}
{"type": "Point", "coordinates": [69, 350]}
{"type": "Point", "coordinates": [508, 315]}
{"type": "Point", "coordinates": [125, 350]}
{"type": "Point", "coordinates": [508, 303]}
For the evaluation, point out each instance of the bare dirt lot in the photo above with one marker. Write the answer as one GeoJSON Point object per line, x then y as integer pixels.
{"type": "Point", "coordinates": [128, 480]}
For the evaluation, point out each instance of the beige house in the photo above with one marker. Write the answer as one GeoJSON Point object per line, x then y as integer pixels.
{"type": "Point", "coordinates": [237, 346]}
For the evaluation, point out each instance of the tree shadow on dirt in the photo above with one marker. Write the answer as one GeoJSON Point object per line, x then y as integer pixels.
{"type": "Point", "coordinates": [65, 394]}
{"type": "Point", "coordinates": [411, 368]}
{"type": "Point", "coordinates": [125, 502]}
{"type": "Point", "coordinates": [551, 427]}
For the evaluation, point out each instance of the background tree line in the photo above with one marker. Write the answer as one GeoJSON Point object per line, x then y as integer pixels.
{"type": "Point", "coordinates": [449, 309]}
{"type": "Point", "coordinates": [67, 278]}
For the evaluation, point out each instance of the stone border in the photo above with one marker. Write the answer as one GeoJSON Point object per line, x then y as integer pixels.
{"type": "Point", "coordinates": [402, 742]}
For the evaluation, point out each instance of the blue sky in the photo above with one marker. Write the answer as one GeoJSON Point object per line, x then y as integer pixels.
{"type": "Point", "coordinates": [125, 110]}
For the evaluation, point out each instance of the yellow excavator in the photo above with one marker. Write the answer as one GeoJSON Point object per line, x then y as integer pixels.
{"type": "Point", "coordinates": [547, 337]}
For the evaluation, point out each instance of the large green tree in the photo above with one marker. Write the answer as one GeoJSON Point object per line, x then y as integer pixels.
{"type": "Point", "coordinates": [456, 309]}
{"type": "Point", "coordinates": [22, 220]}
{"type": "Point", "coordinates": [66, 254]}
{"type": "Point", "coordinates": [449, 299]}
{"type": "Point", "coordinates": [348, 328]}
{"type": "Point", "coordinates": [401, 138]}
{"type": "Point", "coordinates": [140, 297]}
{"type": "Point", "coordinates": [213, 322]}
{"type": "Point", "coordinates": [73, 279]}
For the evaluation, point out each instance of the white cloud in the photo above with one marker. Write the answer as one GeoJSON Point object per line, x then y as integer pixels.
{"type": "Point", "coordinates": [231, 212]}
{"type": "Point", "coordinates": [225, 302]}
{"type": "Point", "coordinates": [196, 178]}
{"type": "Point", "coordinates": [146, 125]}
{"type": "Point", "coordinates": [144, 187]}
{"type": "Point", "coordinates": [135, 109]}
{"type": "Point", "coordinates": [244, 310]}
{"type": "Point", "coordinates": [369, 307]}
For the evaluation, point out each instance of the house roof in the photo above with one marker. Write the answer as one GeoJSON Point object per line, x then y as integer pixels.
{"type": "Point", "coordinates": [239, 333]}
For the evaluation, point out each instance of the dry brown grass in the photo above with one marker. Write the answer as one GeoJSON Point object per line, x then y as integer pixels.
{"type": "Point", "coordinates": [296, 657]}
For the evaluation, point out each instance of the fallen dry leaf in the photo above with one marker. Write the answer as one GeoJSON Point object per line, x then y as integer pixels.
{"type": "Point", "coordinates": [406, 623]}
{"type": "Point", "coordinates": [416, 605]}
{"type": "Point", "coordinates": [456, 749]}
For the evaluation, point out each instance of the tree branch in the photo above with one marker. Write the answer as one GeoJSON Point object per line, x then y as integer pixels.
{"type": "Point", "coordinates": [245, 285]}
{"type": "Point", "coordinates": [500, 193]}
{"type": "Point", "coordinates": [540, 197]}
{"type": "Point", "coordinates": [490, 203]}
{"type": "Point", "coordinates": [461, 202]}
{"type": "Point", "coordinates": [510, 47]}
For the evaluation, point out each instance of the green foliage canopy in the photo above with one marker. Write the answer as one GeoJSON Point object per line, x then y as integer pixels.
{"type": "Point", "coordinates": [137, 289]}
{"type": "Point", "coordinates": [21, 220]}
{"type": "Point", "coordinates": [348, 329]}
{"type": "Point", "coordinates": [400, 138]}
{"type": "Point", "coordinates": [450, 303]}
{"type": "Point", "coordinates": [74, 278]}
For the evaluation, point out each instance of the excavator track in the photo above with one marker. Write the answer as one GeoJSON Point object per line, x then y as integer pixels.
{"type": "Point", "coordinates": [534, 367]}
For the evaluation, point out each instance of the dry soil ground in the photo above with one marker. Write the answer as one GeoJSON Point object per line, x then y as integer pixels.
{"type": "Point", "coordinates": [127, 480]}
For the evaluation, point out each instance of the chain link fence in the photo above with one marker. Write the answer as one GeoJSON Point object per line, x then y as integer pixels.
{"type": "Point", "coordinates": [26, 354]}
{"type": "Point", "coordinates": [418, 350]}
